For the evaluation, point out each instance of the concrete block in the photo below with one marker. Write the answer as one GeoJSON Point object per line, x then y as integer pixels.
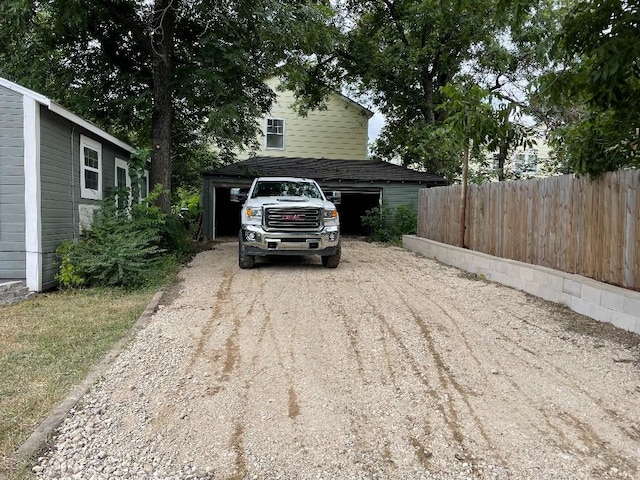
{"type": "Point", "coordinates": [571, 287]}
{"type": "Point", "coordinates": [482, 262]}
{"type": "Point", "coordinates": [554, 295]}
{"type": "Point", "coordinates": [499, 277]}
{"type": "Point", "coordinates": [514, 270]}
{"type": "Point", "coordinates": [532, 287]}
{"type": "Point", "coordinates": [580, 306]}
{"type": "Point", "coordinates": [600, 313]}
{"type": "Point", "coordinates": [631, 306]}
{"type": "Point", "coordinates": [499, 266]}
{"type": "Point", "coordinates": [624, 321]}
{"type": "Point", "coordinates": [555, 282]}
{"type": "Point", "coordinates": [540, 277]}
{"type": "Point", "coordinates": [591, 294]}
{"type": "Point", "coordinates": [612, 300]}
{"type": "Point", "coordinates": [526, 273]}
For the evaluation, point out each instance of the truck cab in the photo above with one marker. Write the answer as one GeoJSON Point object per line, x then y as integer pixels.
{"type": "Point", "coordinates": [287, 216]}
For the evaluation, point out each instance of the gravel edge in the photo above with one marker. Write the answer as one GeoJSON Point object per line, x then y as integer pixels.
{"type": "Point", "coordinates": [44, 432]}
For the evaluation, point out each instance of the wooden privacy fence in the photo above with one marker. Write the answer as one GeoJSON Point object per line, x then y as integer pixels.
{"type": "Point", "coordinates": [576, 225]}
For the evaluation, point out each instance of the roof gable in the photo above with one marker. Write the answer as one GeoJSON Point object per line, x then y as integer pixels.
{"type": "Point", "coordinates": [63, 112]}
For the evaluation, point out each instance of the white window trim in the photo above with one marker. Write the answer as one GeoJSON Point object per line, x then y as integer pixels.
{"type": "Point", "coordinates": [84, 191]}
{"type": "Point", "coordinates": [119, 163]}
{"type": "Point", "coordinates": [146, 178]}
{"type": "Point", "coordinates": [266, 133]}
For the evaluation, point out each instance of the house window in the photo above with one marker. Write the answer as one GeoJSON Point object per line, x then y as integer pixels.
{"type": "Point", "coordinates": [144, 185]}
{"type": "Point", "coordinates": [90, 168]}
{"type": "Point", "coordinates": [123, 181]}
{"type": "Point", "coordinates": [275, 133]}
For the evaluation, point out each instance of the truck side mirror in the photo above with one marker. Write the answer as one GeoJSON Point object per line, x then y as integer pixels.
{"type": "Point", "coordinates": [335, 197]}
{"type": "Point", "coordinates": [238, 197]}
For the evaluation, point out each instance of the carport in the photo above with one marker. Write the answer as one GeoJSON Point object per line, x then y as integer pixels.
{"type": "Point", "coordinates": [364, 184]}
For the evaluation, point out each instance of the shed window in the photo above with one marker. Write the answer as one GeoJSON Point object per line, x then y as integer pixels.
{"type": "Point", "coordinates": [275, 133]}
{"type": "Point", "coordinates": [90, 168]}
{"type": "Point", "coordinates": [123, 183]}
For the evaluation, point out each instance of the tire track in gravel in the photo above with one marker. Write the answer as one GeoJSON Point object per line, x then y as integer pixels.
{"type": "Point", "coordinates": [448, 412]}
{"type": "Point", "coordinates": [221, 298]}
{"type": "Point", "coordinates": [445, 378]}
{"type": "Point", "coordinates": [585, 432]}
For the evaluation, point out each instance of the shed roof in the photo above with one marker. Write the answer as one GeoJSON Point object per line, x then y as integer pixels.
{"type": "Point", "coordinates": [324, 170]}
{"type": "Point", "coordinates": [63, 112]}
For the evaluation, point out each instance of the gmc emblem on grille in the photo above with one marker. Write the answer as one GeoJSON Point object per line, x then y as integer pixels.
{"type": "Point", "coordinates": [292, 217]}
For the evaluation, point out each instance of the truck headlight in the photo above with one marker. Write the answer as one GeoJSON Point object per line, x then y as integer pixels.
{"type": "Point", "coordinates": [330, 214]}
{"type": "Point", "coordinates": [254, 212]}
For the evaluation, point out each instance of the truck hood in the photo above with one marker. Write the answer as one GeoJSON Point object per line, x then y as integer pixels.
{"type": "Point", "coordinates": [289, 202]}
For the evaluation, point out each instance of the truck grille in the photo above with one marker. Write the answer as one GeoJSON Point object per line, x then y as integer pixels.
{"type": "Point", "coordinates": [282, 218]}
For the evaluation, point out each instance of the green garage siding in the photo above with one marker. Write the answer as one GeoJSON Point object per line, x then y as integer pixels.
{"type": "Point", "coordinates": [12, 219]}
{"type": "Point", "coordinates": [394, 195]}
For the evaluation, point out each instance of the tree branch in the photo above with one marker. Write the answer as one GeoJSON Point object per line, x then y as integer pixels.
{"type": "Point", "coordinates": [396, 21]}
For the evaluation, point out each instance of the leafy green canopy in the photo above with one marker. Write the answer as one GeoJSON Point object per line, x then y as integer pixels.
{"type": "Point", "coordinates": [402, 54]}
{"type": "Point", "coordinates": [597, 86]}
{"type": "Point", "coordinates": [195, 67]}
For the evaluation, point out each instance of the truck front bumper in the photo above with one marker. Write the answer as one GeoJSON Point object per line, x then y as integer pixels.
{"type": "Point", "coordinates": [258, 242]}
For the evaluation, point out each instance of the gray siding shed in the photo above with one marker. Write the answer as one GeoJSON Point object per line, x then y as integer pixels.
{"type": "Point", "coordinates": [40, 194]}
{"type": "Point", "coordinates": [12, 232]}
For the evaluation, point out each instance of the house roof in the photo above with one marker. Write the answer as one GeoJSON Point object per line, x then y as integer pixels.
{"type": "Point", "coordinates": [63, 112]}
{"type": "Point", "coordinates": [324, 170]}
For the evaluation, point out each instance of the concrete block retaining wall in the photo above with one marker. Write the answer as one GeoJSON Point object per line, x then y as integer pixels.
{"type": "Point", "coordinates": [13, 292]}
{"type": "Point", "coordinates": [597, 300]}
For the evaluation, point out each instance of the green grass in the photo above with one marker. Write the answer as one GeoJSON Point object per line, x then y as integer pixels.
{"type": "Point", "coordinates": [47, 345]}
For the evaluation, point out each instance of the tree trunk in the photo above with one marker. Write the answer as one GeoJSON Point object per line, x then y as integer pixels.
{"type": "Point", "coordinates": [502, 158]}
{"type": "Point", "coordinates": [164, 19]}
{"type": "Point", "coordinates": [462, 217]}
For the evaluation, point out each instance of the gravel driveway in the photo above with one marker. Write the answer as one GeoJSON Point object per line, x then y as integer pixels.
{"type": "Point", "coordinates": [390, 366]}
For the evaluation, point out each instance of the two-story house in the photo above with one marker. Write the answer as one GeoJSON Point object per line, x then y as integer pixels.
{"type": "Point", "coordinates": [328, 145]}
{"type": "Point", "coordinates": [338, 132]}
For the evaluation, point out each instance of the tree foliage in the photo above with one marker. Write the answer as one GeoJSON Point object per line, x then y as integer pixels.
{"type": "Point", "coordinates": [174, 75]}
{"type": "Point", "coordinates": [595, 85]}
{"type": "Point", "coordinates": [402, 54]}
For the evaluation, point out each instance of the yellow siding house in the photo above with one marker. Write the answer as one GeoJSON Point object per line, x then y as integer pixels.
{"type": "Point", "coordinates": [338, 132]}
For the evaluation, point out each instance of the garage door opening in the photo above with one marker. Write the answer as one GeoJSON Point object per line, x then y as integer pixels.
{"type": "Point", "coordinates": [354, 205]}
{"type": "Point", "coordinates": [227, 214]}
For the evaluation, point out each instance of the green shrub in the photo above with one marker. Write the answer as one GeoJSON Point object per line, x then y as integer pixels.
{"type": "Point", "coordinates": [128, 247]}
{"type": "Point", "coordinates": [388, 225]}
{"type": "Point", "coordinates": [69, 274]}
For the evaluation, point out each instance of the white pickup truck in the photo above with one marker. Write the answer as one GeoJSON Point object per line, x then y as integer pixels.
{"type": "Point", "coordinates": [287, 216]}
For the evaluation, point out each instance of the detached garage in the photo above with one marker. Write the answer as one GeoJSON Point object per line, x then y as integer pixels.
{"type": "Point", "coordinates": [364, 184]}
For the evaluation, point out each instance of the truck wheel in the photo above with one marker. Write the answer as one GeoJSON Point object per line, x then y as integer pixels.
{"type": "Point", "coordinates": [244, 260]}
{"type": "Point", "coordinates": [332, 261]}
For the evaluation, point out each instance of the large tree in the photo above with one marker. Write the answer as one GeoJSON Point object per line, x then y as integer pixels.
{"type": "Point", "coordinates": [400, 54]}
{"type": "Point", "coordinates": [595, 85]}
{"type": "Point", "coordinates": [166, 73]}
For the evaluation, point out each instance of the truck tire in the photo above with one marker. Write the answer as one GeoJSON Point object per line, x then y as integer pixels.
{"type": "Point", "coordinates": [332, 261]}
{"type": "Point", "coordinates": [244, 260]}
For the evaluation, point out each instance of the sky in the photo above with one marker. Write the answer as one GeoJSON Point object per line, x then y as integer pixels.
{"type": "Point", "coordinates": [375, 125]}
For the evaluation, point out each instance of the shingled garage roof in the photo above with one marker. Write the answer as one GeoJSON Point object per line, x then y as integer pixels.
{"type": "Point", "coordinates": [325, 170]}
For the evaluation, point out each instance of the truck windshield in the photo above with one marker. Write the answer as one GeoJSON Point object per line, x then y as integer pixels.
{"type": "Point", "coordinates": [285, 188]}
